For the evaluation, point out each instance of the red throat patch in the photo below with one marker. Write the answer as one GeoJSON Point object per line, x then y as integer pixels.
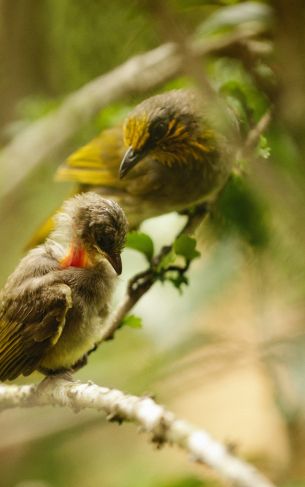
{"type": "Point", "coordinates": [76, 257]}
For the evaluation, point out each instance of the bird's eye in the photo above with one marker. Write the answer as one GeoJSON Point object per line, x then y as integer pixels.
{"type": "Point", "coordinates": [158, 129]}
{"type": "Point", "coordinates": [104, 241]}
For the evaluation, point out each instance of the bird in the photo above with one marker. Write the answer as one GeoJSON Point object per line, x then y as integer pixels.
{"type": "Point", "coordinates": [166, 156]}
{"type": "Point", "coordinates": [53, 305]}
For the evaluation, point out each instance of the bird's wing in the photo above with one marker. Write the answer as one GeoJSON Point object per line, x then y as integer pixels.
{"type": "Point", "coordinates": [96, 163]}
{"type": "Point", "coordinates": [30, 324]}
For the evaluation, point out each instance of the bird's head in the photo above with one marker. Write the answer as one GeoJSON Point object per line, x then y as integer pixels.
{"type": "Point", "coordinates": [98, 230]}
{"type": "Point", "coordinates": [167, 127]}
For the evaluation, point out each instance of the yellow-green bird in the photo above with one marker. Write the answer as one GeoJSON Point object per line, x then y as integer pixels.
{"type": "Point", "coordinates": [165, 157]}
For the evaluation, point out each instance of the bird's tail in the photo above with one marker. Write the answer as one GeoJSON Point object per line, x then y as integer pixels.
{"type": "Point", "coordinates": [42, 232]}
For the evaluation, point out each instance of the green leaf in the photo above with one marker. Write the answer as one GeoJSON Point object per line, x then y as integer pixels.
{"type": "Point", "coordinates": [186, 246]}
{"type": "Point", "coordinates": [142, 243]}
{"type": "Point", "coordinates": [133, 321]}
{"type": "Point", "coordinates": [167, 260]}
{"type": "Point", "coordinates": [178, 281]}
{"type": "Point", "coordinates": [264, 149]}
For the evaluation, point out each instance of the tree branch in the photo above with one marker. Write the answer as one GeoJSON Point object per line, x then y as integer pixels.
{"type": "Point", "coordinates": [153, 419]}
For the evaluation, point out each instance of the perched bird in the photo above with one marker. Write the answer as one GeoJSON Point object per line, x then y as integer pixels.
{"type": "Point", "coordinates": [165, 157]}
{"type": "Point", "coordinates": [53, 305]}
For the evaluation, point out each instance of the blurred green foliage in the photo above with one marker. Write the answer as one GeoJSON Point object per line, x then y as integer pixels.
{"type": "Point", "coordinates": [189, 482]}
{"type": "Point", "coordinates": [87, 39]}
{"type": "Point", "coordinates": [239, 210]}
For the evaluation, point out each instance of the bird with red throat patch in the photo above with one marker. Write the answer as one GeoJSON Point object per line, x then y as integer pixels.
{"type": "Point", "coordinates": [53, 305]}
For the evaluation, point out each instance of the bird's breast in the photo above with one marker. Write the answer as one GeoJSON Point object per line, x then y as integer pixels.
{"type": "Point", "coordinates": [176, 186]}
{"type": "Point", "coordinates": [91, 295]}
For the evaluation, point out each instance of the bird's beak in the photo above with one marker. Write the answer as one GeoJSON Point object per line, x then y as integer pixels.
{"type": "Point", "coordinates": [116, 262]}
{"type": "Point", "coordinates": [114, 259]}
{"type": "Point", "coordinates": [130, 159]}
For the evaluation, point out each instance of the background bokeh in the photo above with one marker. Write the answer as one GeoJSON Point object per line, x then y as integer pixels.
{"type": "Point", "coordinates": [228, 353]}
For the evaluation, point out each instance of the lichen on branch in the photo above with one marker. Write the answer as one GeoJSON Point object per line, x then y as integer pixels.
{"type": "Point", "coordinates": [161, 424]}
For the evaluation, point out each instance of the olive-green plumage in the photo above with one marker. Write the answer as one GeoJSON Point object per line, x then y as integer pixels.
{"type": "Point", "coordinates": [172, 158]}
{"type": "Point", "coordinates": [53, 305]}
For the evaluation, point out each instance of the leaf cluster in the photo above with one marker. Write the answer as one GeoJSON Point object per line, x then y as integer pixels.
{"type": "Point", "coordinates": [172, 263]}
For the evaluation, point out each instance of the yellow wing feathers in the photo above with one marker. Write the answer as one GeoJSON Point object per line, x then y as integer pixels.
{"type": "Point", "coordinates": [96, 163]}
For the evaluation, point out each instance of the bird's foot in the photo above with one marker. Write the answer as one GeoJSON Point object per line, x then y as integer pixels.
{"type": "Point", "coordinates": [51, 380]}
{"type": "Point", "coordinates": [63, 373]}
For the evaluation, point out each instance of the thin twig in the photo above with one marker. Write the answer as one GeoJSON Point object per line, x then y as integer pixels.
{"type": "Point", "coordinates": [255, 133]}
{"type": "Point", "coordinates": [154, 419]}
{"type": "Point", "coordinates": [142, 282]}
{"type": "Point", "coordinates": [251, 141]}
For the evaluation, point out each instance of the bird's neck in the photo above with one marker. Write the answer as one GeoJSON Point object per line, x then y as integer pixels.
{"type": "Point", "coordinates": [77, 256]}
{"type": "Point", "coordinates": [66, 247]}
